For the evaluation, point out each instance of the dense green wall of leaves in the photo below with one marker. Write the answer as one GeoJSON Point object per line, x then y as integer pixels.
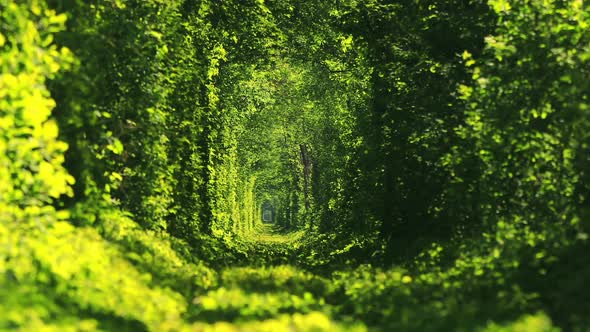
{"type": "Point", "coordinates": [430, 158]}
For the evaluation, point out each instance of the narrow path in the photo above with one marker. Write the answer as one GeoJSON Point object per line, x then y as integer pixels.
{"type": "Point", "coordinates": [270, 234]}
{"type": "Point", "coordinates": [270, 245]}
{"type": "Point", "coordinates": [271, 292]}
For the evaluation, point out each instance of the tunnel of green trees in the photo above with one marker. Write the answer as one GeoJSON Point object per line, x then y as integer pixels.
{"type": "Point", "coordinates": [294, 165]}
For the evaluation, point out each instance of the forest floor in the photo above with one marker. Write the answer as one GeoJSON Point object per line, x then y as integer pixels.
{"type": "Point", "coordinates": [269, 281]}
{"type": "Point", "coordinates": [269, 293]}
{"type": "Point", "coordinates": [276, 288]}
{"type": "Point", "coordinates": [270, 235]}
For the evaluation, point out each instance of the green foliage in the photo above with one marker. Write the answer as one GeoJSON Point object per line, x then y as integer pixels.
{"type": "Point", "coordinates": [69, 270]}
{"type": "Point", "coordinates": [157, 254]}
{"type": "Point", "coordinates": [424, 162]}
{"type": "Point", "coordinates": [233, 303]}
{"type": "Point", "coordinates": [312, 322]}
{"type": "Point", "coordinates": [276, 278]}
{"type": "Point", "coordinates": [538, 323]}
{"type": "Point", "coordinates": [31, 156]}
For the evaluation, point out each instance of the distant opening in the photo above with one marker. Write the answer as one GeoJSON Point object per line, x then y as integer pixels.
{"type": "Point", "coordinates": [268, 212]}
{"type": "Point", "coordinates": [267, 216]}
